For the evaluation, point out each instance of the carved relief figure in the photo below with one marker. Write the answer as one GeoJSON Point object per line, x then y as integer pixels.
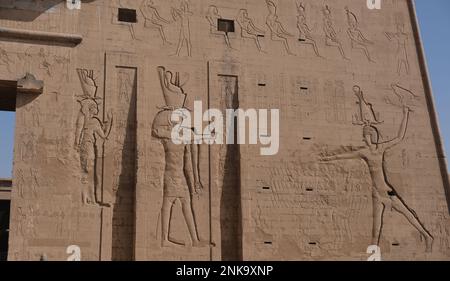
{"type": "Point", "coordinates": [44, 62]}
{"type": "Point", "coordinates": [401, 37]}
{"type": "Point", "coordinates": [277, 31]}
{"type": "Point", "coordinates": [331, 38]}
{"type": "Point", "coordinates": [366, 114]}
{"type": "Point", "coordinates": [89, 136]}
{"type": "Point", "coordinates": [153, 19]}
{"type": "Point", "coordinates": [62, 63]}
{"type": "Point", "coordinates": [404, 96]}
{"type": "Point", "coordinates": [181, 174]}
{"type": "Point", "coordinates": [182, 15]}
{"type": "Point", "coordinates": [4, 59]}
{"type": "Point", "coordinates": [305, 36]}
{"type": "Point", "coordinates": [213, 17]}
{"type": "Point", "coordinates": [357, 38]}
{"type": "Point", "coordinates": [384, 195]}
{"type": "Point", "coordinates": [249, 29]}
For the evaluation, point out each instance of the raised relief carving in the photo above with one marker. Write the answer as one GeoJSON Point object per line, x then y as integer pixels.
{"type": "Point", "coordinates": [90, 134]}
{"type": "Point", "coordinates": [153, 19]}
{"type": "Point", "coordinates": [249, 29]}
{"type": "Point", "coordinates": [277, 31]}
{"type": "Point", "coordinates": [401, 38]}
{"type": "Point", "coordinates": [366, 114]}
{"type": "Point", "coordinates": [373, 153]}
{"type": "Point", "coordinates": [44, 62]}
{"type": "Point", "coordinates": [181, 174]}
{"type": "Point", "coordinates": [62, 63]}
{"type": "Point", "coordinates": [305, 36]}
{"type": "Point", "coordinates": [26, 223]}
{"type": "Point", "coordinates": [357, 38]}
{"type": "Point", "coordinates": [30, 85]}
{"type": "Point", "coordinates": [403, 97]}
{"type": "Point", "coordinates": [182, 15]}
{"type": "Point", "coordinates": [331, 37]}
{"type": "Point", "coordinates": [335, 101]}
{"type": "Point", "coordinates": [213, 18]}
{"type": "Point", "coordinates": [4, 59]}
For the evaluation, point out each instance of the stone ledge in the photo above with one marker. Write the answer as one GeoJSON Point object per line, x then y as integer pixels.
{"type": "Point", "coordinates": [41, 36]}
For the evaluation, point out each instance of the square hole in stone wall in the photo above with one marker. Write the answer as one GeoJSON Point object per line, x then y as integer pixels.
{"type": "Point", "coordinates": [225, 25]}
{"type": "Point", "coordinates": [127, 15]}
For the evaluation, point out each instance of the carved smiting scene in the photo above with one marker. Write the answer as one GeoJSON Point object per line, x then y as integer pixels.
{"type": "Point", "coordinates": [357, 38]}
{"type": "Point", "coordinates": [213, 18]}
{"type": "Point", "coordinates": [401, 38]}
{"type": "Point", "coordinates": [153, 19]}
{"type": "Point", "coordinates": [331, 38]}
{"type": "Point", "coordinates": [277, 31]}
{"type": "Point", "coordinates": [89, 136]}
{"type": "Point", "coordinates": [181, 174]}
{"type": "Point", "coordinates": [182, 15]}
{"type": "Point", "coordinates": [305, 36]}
{"type": "Point", "coordinates": [373, 153]}
{"type": "Point", "coordinates": [249, 29]}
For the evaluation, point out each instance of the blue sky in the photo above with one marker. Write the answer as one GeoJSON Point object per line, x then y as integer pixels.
{"type": "Point", "coordinates": [435, 27]}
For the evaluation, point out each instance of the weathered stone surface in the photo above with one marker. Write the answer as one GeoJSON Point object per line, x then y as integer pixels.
{"type": "Point", "coordinates": [93, 167]}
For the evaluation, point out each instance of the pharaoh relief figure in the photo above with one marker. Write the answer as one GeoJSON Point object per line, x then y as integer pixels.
{"type": "Point", "coordinates": [357, 38]}
{"type": "Point", "coordinates": [401, 38]}
{"type": "Point", "coordinates": [373, 153]}
{"type": "Point", "coordinates": [331, 37]}
{"type": "Point", "coordinates": [181, 174]}
{"type": "Point", "coordinates": [305, 32]}
{"type": "Point", "coordinates": [90, 135]}
{"type": "Point", "coordinates": [213, 18]}
{"type": "Point", "coordinates": [153, 19]}
{"type": "Point", "coordinates": [182, 16]}
{"type": "Point", "coordinates": [249, 29]}
{"type": "Point", "coordinates": [277, 31]}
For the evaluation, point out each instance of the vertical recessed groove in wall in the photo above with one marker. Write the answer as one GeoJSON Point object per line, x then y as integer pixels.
{"type": "Point", "coordinates": [125, 154]}
{"type": "Point", "coordinates": [230, 205]}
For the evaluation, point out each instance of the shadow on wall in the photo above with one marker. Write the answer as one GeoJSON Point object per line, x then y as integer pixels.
{"type": "Point", "coordinates": [26, 10]}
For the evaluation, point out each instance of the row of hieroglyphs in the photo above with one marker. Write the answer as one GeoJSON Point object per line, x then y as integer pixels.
{"type": "Point", "coordinates": [276, 31]}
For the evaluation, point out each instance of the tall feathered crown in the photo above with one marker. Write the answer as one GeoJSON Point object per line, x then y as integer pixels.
{"type": "Point", "coordinates": [173, 93]}
{"type": "Point", "coordinates": [88, 83]}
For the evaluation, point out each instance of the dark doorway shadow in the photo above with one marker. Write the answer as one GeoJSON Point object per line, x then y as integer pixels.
{"type": "Point", "coordinates": [4, 228]}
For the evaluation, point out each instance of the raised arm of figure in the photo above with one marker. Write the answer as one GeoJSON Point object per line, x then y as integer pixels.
{"type": "Point", "coordinates": [401, 132]}
{"type": "Point", "coordinates": [363, 38]}
{"type": "Point", "coordinates": [342, 156]}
